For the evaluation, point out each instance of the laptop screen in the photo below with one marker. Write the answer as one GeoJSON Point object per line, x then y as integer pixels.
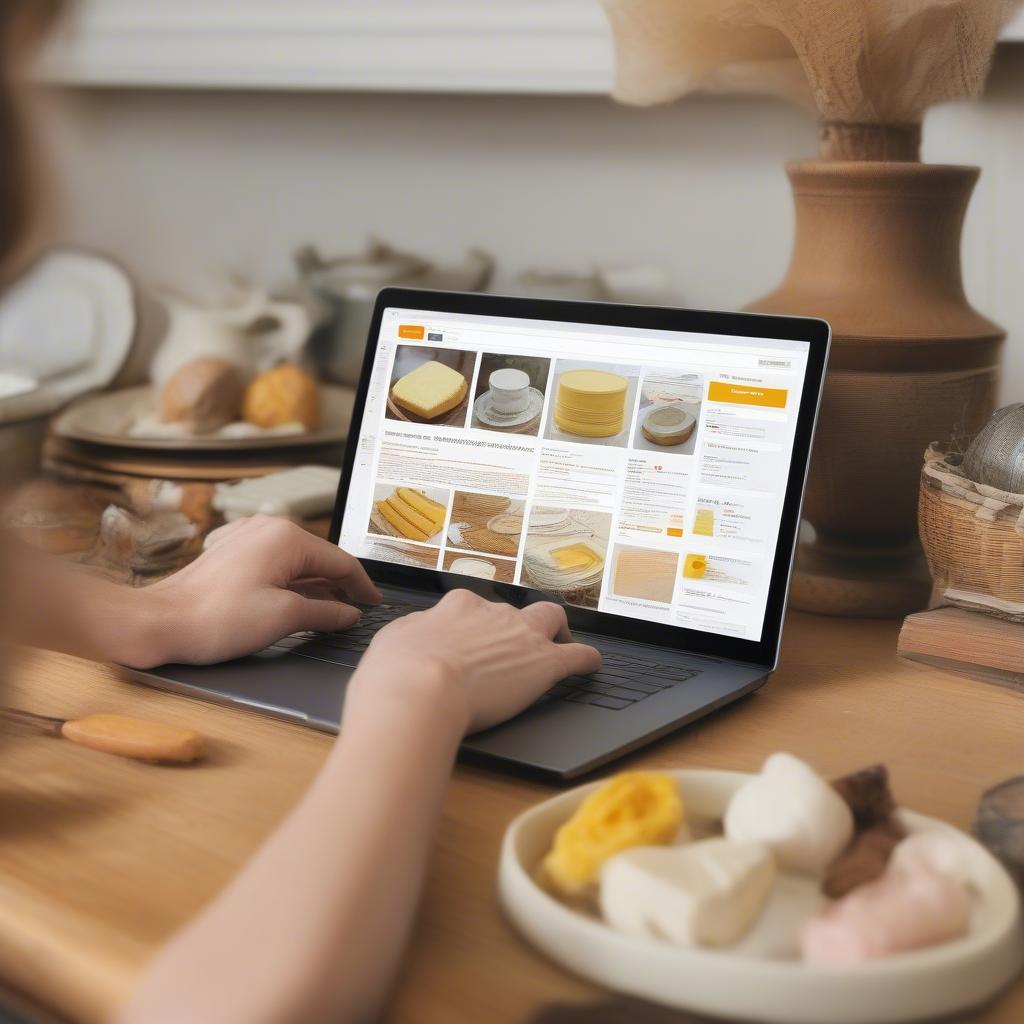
{"type": "Point", "coordinates": [630, 471]}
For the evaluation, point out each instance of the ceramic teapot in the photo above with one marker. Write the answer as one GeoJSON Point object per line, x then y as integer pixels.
{"type": "Point", "coordinates": [252, 331]}
{"type": "Point", "coordinates": [348, 287]}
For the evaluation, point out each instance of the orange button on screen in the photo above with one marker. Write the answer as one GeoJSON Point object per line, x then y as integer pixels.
{"type": "Point", "coordinates": [745, 394]}
{"type": "Point", "coordinates": [413, 331]}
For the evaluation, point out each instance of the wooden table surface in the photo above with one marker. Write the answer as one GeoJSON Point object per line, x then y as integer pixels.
{"type": "Point", "coordinates": [103, 858]}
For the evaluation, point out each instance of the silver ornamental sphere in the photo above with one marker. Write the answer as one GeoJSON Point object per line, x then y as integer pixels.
{"type": "Point", "coordinates": [996, 455]}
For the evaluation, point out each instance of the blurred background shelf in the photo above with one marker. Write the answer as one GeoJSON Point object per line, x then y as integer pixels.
{"type": "Point", "coordinates": [446, 125]}
{"type": "Point", "coordinates": [508, 46]}
{"type": "Point", "coordinates": [501, 46]}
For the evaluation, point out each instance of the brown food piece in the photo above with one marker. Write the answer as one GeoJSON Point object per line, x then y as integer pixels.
{"type": "Point", "coordinates": [205, 392]}
{"type": "Point", "coordinates": [868, 795]}
{"type": "Point", "coordinates": [285, 394]}
{"type": "Point", "coordinates": [133, 737]}
{"type": "Point", "coordinates": [999, 825]}
{"type": "Point", "coordinates": [864, 860]}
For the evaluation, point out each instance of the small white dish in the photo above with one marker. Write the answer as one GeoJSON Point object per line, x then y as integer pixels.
{"type": "Point", "coordinates": [485, 411]}
{"type": "Point", "coordinates": [68, 324]}
{"type": "Point", "coordinates": [669, 424]}
{"type": "Point", "coordinates": [478, 567]}
{"type": "Point", "coordinates": [933, 982]}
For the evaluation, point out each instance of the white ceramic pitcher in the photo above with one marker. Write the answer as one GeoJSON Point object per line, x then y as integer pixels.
{"type": "Point", "coordinates": [254, 332]}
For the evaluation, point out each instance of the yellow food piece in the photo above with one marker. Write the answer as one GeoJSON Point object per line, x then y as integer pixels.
{"type": "Point", "coordinates": [399, 522]}
{"type": "Point", "coordinates": [431, 390]}
{"type": "Point", "coordinates": [575, 556]}
{"type": "Point", "coordinates": [591, 403]}
{"type": "Point", "coordinates": [704, 522]}
{"type": "Point", "coordinates": [410, 515]}
{"type": "Point", "coordinates": [433, 510]}
{"type": "Point", "coordinates": [695, 566]}
{"type": "Point", "coordinates": [649, 575]}
{"type": "Point", "coordinates": [285, 394]}
{"type": "Point", "coordinates": [631, 809]}
{"type": "Point", "coordinates": [132, 737]}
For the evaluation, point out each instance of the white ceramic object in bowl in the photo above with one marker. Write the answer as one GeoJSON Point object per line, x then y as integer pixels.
{"type": "Point", "coordinates": [510, 391]}
{"type": "Point", "coordinates": [478, 567]}
{"type": "Point", "coordinates": [913, 986]}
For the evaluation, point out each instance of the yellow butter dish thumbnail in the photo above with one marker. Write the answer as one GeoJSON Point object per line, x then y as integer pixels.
{"type": "Point", "coordinates": [575, 556]}
{"type": "Point", "coordinates": [695, 566]}
{"type": "Point", "coordinates": [704, 522]}
{"type": "Point", "coordinates": [631, 809]}
{"type": "Point", "coordinates": [429, 391]}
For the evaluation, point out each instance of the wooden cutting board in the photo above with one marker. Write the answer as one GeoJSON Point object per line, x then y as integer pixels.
{"type": "Point", "coordinates": [104, 858]}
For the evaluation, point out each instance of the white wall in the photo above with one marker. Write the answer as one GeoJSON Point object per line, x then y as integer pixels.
{"type": "Point", "coordinates": [188, 186]}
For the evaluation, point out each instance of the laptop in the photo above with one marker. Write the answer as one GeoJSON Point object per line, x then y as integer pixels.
{"type": "Point", "coordinates": [644, 467]}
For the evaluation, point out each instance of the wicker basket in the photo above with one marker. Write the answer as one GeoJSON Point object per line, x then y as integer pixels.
{"type": "Point", "coordinates": [973, 537]}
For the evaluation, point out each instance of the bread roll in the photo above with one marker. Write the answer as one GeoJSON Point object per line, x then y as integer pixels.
{"type": "Point", "coordinates": [207, 393]}
{"type": "Point", "coordinates": [285, 394]}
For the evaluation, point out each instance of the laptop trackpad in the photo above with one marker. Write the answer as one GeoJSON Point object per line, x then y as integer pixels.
{"type": "Point", "coordinates": [307, 687]}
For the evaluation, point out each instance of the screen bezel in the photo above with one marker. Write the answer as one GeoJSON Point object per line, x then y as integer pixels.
{"type": "Point", "coordinates": [815, 332]}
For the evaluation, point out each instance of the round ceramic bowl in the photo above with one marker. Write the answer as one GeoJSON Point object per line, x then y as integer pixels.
{"type": "Point", "coordinates": [913, 986]}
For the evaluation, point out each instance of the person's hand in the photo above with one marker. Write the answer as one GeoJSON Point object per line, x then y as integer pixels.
{"type": "Point", "coordinates": [258, 580]}
{"type": "Point", "coordinates": [487, 660]}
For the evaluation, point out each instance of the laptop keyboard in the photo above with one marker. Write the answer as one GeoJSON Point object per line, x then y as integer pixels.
{"type": "Point", "coordinates": [622, 680]}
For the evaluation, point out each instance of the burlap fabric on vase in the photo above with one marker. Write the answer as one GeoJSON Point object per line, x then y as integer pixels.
{"type": "Point", "coordinates": [876, 250]}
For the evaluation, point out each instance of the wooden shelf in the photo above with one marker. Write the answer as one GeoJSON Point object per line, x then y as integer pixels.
{"type": "Point", "coordinates": [460, 46]}
{"type": "Point", "coordinates": [502, 46]}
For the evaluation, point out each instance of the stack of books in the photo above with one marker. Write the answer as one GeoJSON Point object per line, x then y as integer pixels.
{"type": "Point", "coordinates": [968, 642]}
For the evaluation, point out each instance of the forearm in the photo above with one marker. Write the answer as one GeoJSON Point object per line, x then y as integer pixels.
{"type": "Point", "coordinates": [314, 926]}
{"type": "Point", "coordinates": [61, 606]}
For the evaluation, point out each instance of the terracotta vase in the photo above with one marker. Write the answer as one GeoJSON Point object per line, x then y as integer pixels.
{"type": "Point", "coordinates": [877, 254]}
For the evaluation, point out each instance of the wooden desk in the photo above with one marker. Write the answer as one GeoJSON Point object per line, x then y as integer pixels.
{"type": "Point", "coordinates": [103, 858]}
